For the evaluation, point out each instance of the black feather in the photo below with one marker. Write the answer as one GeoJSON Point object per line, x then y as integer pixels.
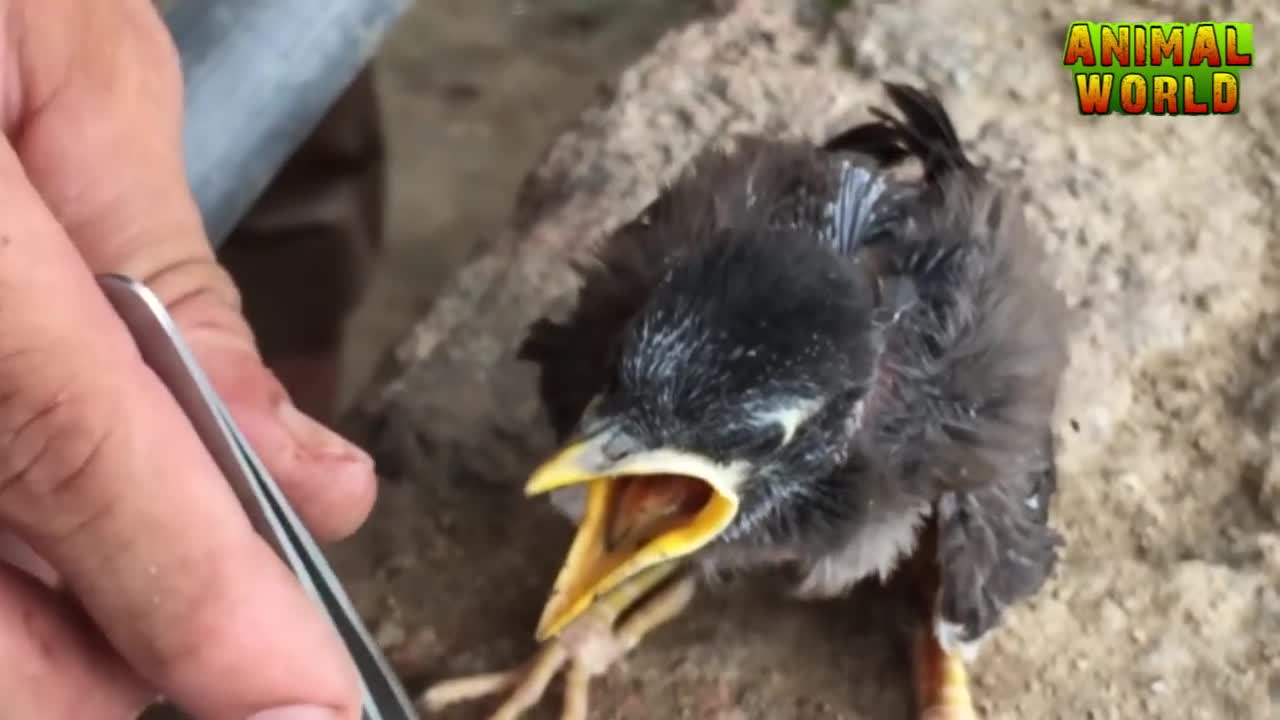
{"type": "Point", "coordinates": [925, 131]}
{"type": "Point", "coordinates": [916, 310]}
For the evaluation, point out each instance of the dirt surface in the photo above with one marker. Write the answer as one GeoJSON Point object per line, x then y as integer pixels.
{"type": "Point", "coordinates": [1166, 236]}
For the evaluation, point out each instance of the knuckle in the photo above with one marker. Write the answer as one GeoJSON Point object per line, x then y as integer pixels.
{"type": "Point", "coordinates": [51, 437]}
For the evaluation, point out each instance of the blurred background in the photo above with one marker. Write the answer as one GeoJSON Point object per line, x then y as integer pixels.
{"type": "Point", "coordinates": [472, 92]}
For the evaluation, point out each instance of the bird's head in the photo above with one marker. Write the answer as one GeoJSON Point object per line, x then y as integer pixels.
{"type": "Point", "coordinates": [735, 390]}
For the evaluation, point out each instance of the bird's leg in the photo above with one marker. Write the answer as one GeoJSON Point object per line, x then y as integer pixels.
{"type": "Point", "coordinates": [589, 645]}
{"type": "Point", "coordinates": [644, 615]}
{"type": "Point", "coordinates": [942, 683]}
{"type": "Point", "coordinates": [941, 680]}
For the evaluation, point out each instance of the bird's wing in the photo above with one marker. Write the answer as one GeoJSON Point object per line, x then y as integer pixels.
{"type": "Point", "coordinates": [990, 346]}
{"type": "Point", "coordinates": [972, 366]}
{"type": "Point", "coordinates": [870, 206]}
{"type": "Point", "coordinates": [994, 548]}
{"type": "Point", "coordinates": [976, 359]}
{"type": "Point", "coordinates": [865, 207]}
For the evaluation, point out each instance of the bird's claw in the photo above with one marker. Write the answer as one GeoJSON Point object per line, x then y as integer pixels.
{"type": "Point", "coordinates": [526, 686]}
{"type": "Point", "coordinates": [942, 683]}
{"type": "Point", "coordinates": [589, 647]}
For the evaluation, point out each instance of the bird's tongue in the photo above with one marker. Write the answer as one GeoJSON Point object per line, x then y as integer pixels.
{"type": "Point", "coordinates": [631, 523]}
{"type": "Point", "coordinates": [647, 506]}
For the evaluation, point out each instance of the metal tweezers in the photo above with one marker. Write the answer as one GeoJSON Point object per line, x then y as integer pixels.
{"type": "Point", "coordinates": [164, 350]}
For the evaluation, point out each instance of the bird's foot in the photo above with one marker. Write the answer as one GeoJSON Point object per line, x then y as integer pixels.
{"type": "Point", "coordinates": [942, 683]}
{"type": "Point", "coordinates": [589, 646]}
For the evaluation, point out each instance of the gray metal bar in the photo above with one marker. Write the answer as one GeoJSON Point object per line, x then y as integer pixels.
{"type": "Point", "coordinates": [259, 75]}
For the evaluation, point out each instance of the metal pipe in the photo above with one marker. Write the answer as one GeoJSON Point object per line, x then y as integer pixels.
{"type": "Point", "coordinates": [259, 77]}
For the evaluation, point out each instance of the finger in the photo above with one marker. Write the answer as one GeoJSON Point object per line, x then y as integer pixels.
{"type": "Point", "coordinates": [110, 106]}
{"type": "Point", "coordinates": [330, 482]}
{"type": "Point", "coordinates": [101, 474]}
{"type": "Point", "coordinates": [54, 665]}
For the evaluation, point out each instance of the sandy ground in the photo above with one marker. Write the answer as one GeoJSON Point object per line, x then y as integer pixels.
{"type": "Point", "coordinates": [1168, 239]}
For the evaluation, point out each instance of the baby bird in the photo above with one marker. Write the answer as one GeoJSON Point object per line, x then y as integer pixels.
{"type": "Point", "coordinates": [842, 358]}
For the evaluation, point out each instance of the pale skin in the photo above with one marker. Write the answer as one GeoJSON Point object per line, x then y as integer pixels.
{"type": "Point", "coordinates": [127, 568]}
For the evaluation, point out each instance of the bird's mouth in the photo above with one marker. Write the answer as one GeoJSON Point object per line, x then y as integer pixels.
{"type": "Point", "coordinates": [648, 509]}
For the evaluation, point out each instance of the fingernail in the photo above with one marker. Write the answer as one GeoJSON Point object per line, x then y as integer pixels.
{"type": "Point", "coordinates": [317, 439]}
{"type": "Point", "coordinates": [296, 712]}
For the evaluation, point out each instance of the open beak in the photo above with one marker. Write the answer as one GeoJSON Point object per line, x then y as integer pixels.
{"type": "Point", "coordinates": [649, 508]}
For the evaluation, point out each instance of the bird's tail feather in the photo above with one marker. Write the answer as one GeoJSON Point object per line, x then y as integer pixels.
{"type": "Point", "coordinates": [925, 130]}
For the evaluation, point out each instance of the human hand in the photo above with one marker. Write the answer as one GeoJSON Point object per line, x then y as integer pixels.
{"type": "Point", "coordinates": [143, 575]}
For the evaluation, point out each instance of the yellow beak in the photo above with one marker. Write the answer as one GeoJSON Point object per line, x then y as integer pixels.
{"type": "Point", "coordinates": [619, 535]}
